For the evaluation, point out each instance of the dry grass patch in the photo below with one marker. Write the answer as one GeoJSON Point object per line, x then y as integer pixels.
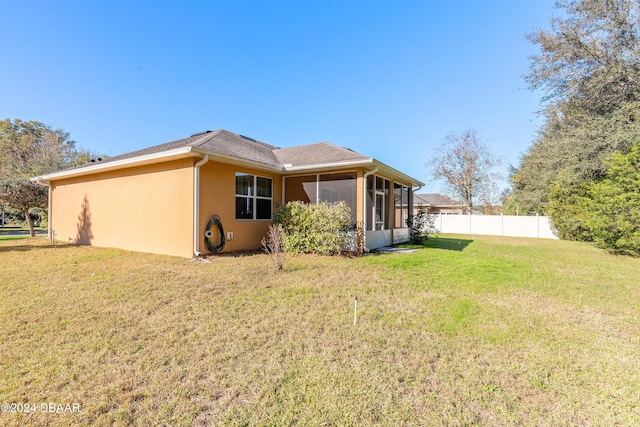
{"type": "Point", "coordinates": [489, 332]}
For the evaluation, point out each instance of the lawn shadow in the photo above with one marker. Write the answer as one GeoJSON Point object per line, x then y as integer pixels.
{"type": "Point", "coordinates": [448, 243]}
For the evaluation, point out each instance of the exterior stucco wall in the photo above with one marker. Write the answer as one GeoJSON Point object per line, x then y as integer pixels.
{"type": "Point", "coordinates": [218, 197]}
{"type": "Point", "coordinates": [147, 208]}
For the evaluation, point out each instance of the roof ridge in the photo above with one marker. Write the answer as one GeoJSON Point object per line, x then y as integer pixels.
{"type": "Point", "coordinates": [308, 145]}
{"type": "Point", "coordinates": [212, 134]}
{"type": "Point", "coordinates": [205, 137]}
{"type": "Point", "coordinates": [265, 144]}
{"type": "Point", "coordinates": [327, 143]}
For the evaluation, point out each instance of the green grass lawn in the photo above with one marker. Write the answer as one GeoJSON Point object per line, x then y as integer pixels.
{"type": "Point", "coordinates": [493, 332]}
{"type": "Point", "coordinates": [7, 238]}
{"type": "Point", "coordinates": [13, 228]}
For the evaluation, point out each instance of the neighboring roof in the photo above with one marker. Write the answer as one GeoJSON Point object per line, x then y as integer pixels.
{"type": "Point", "coordinates": [238, 149]}
{"type": "Point", "coordinates": [434, 199]}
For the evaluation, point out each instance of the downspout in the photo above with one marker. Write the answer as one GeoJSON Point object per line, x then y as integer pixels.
{"type": "Point", "coordinates": [413, 192]}
{"type": "Point", "coordinates": [49, 210]}
{"type": "Point", "coordinates": [364, 185]}
{"type": "Point", "coordinates": [196, 203]}
{"type": "Point", "coordinates": [284, 187]}
{"type": "Point", "coordinates": [411, 210]}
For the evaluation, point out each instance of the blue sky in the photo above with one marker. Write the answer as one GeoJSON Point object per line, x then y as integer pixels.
{"type": "Point", "coordinates": [389, 79]}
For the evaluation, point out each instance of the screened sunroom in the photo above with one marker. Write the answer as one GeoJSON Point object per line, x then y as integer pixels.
{"type": "Point", "coordinates": [387, 206]}
{"type": "Point", "coordinates": [381, 205]}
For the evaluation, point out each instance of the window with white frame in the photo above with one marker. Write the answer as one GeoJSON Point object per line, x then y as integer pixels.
{"type": "Point", "coordinates": [254, 198]}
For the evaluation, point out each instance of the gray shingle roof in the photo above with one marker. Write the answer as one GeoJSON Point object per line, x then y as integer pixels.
{"type": "Point", "coordinates": [433, 199]}
{"type": "Point", "coordinates": [323, 152]}
{"type": "Point", "coordinates": [235, 146]}
{"type": "Point", "coordinates": [220, 141]}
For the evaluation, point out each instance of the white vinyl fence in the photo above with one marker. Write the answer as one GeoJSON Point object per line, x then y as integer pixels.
{"type": "Point", "coordinates": [496, 225]}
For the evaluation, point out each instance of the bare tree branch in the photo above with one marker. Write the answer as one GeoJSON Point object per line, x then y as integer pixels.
{"type": "Point", "coordinates": [465, 164]}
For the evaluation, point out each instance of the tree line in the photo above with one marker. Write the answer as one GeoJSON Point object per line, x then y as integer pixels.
{"type": "Point", "coordinates": [583, 168]}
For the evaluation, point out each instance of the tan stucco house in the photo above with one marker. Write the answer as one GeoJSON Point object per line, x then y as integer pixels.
{"type": "Point", "coordinates": [161, 199]}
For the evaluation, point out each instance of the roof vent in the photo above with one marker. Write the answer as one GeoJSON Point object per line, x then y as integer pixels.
{"type": "Point", "coordinates": [247, 138]}
{"type": "Point", "coordinates": [201, 133]}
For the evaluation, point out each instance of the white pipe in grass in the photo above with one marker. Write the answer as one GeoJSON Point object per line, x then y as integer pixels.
{"type": "Point", "coordinates": [355, 312]}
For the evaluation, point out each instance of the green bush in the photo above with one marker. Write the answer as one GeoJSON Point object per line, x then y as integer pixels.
{"type": "Point", "coordinates": [319, 229]}
{"type": "Point", "coordinates": [421, 225]}
{"type": "Point", "coordinates": [613, 205]}
{"type": "Point", "coordinates": [568, 209]}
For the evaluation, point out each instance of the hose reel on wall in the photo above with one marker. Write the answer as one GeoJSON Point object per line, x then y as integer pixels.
{"type": "Point", "coordinates": [208, 234]}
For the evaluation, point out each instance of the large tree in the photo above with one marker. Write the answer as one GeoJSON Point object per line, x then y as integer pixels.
{"type": "Point", "coordinates": [31, 148]}
{"type": "Point", "coordinates": [588, 68]}
{"type": "Point", "coordinates": [590, 55]}
{"type": "Point", "coordinates": [28, 149]}
{"type": "Point", "coordinates": [465, 165]}
{"type": "Point", "coordinates": [25, 195]}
